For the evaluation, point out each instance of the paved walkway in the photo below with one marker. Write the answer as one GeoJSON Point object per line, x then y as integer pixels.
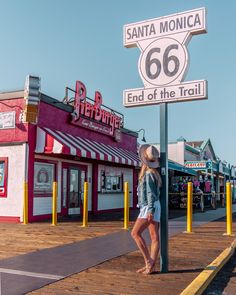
{"type": "Point", "coordinates": [25, 273]}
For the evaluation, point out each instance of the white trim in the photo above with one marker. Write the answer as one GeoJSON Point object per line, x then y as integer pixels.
{"type": "Point", "coordinates": [40, 140]}
{"type": "Point", "coordinates": [30, 274]}
{"type": "Point", "coordinates": [57, 147]}
{"type": "Point", "coordinates": [42, 157]}
{"type": "Point", "coordinates": [72, 211]}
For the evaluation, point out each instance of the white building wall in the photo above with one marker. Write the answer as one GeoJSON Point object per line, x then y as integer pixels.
{"type": "Point", "coordinates": [175, 151]}
{"type": "Point", "coordinates": [12, 205]}
{"type": "Point", "coordinates": [108, 201]}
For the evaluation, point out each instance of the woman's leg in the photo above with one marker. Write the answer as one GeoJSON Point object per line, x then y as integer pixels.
{"type": "Point", "coordinates": [154, 235]}
{"type": "Point", "coordinates": [140, 225]}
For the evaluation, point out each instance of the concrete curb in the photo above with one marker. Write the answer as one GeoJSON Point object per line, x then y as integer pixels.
{"type": "Point", "coordinates": [201, 282]}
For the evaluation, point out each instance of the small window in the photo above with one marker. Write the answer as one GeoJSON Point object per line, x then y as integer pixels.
{"type": "Point", "coordinates": [3, 177]}
{"type": "Point", "coordinates": [111, 183]}
{"type": "Point", "coordinates": [43, 178]}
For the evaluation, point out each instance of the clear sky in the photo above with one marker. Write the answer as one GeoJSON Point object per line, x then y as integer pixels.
{"type": "Point", "coordinates": [67, 40]}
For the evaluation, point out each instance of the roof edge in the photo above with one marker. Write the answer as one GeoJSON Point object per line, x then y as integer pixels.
{"type": "Point", "coordinates": [12, 94]}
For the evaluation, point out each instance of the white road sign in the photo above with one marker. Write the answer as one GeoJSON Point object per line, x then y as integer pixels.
{"type": "Point", "coordinates": [164, 58]}
{"type": "Point", "coordinates": [162, 62]}
{"type": "Point", "coordinates": [188, 91]}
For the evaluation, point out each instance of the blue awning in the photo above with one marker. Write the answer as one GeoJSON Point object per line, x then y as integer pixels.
{"type": "Point", "coordinates": [180, 168]}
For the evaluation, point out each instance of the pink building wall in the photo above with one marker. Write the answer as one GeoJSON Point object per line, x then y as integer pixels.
{"type": "Point", "coordinates": [20, 132]}
{"type": "Point", "coordinates": [55, 118]}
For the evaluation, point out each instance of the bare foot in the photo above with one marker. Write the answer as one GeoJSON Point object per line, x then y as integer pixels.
{"type": "Point", "coordinates": [150, 268]}
{"type": "Point", "coordinates": [140, 270]}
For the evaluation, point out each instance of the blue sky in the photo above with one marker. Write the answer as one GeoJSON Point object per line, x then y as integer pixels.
{"type": "Point", "coordinates": [68, 40]}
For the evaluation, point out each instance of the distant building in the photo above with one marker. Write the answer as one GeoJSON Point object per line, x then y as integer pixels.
{"type": "Point", "coordinates": [200, 156]}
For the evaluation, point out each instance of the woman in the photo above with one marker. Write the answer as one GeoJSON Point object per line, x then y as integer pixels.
{"type": "Point", "coordinates": [149, 204]}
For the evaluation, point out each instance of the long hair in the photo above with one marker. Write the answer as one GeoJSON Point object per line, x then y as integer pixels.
{"type": "Point", "coordinates": [154, 171]}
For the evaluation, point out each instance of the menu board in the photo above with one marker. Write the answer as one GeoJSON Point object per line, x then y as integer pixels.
{"type": "Point", "coordinates": [7, 120]}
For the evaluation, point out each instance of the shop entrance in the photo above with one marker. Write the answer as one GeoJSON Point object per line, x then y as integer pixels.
{"type": "Point", "coordinates": [73, 178]}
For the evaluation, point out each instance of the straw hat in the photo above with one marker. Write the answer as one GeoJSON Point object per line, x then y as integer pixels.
{"type": "Point", "coordinates": [149, 155]}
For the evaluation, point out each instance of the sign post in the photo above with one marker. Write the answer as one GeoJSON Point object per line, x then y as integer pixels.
{"type": "Point", "coordinates": [164, 190]}
{"type": "Point", "coordinates": [162, 66]}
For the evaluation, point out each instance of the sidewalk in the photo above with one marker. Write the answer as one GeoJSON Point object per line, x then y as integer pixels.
{"type": "Point", "coordinates": [77, 250]}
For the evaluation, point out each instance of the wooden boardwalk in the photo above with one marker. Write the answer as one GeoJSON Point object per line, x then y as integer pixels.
{"type": "Point", "coordinates": [189, 254]}
{"type": "Point", "coordinates": [16, 239]}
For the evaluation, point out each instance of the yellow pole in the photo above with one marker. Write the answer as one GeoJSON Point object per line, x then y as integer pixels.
{"type": "Point", "coordinates": [126, 206]}
{"type": "Point", "coordinates": [85, 207]}
{"type": "Point", "coordinates": [190, 207]}
{"type": "Point", "coordinates": [229, 208]}
{"type": "Point", "coordinates": [54, 203]}
{"type": "Point", "coordinates": [25, 209]}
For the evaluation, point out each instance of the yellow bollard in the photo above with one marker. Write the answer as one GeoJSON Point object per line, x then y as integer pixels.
{"type": "Point", "coordinates": [85, 205]}
{"type": "Point", "coordinates": [229, 208]}
{"type": "Point", "coordinates": [126, 206]}
{"type": "Point", "coordinates": [190, 207]}
{"type": "Point", "coordinates": [54, 203]}
{"type": "Point", "coordinates": [25, 209]}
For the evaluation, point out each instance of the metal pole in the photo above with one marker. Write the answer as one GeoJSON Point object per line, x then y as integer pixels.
{"type": "Point", "coordinates": [190, 208]}
{"type": "Point", "coordinates": [54, 203]}
{"type": "Point", "coordinates": [25, 214]}
{"type": "Point", "coordinates": [164, 189]}
{"type": "Point", "coordinates": [229, 208]}
{"type": "Point", "coordinates": [233, 189]}
{"type": "Point", "coordinates": [85, 211]}
{"type": "Point", "coordinates": [126, 206]}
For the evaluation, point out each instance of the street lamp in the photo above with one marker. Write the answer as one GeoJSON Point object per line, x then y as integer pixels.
{"type": "Point", "coordinates": [143, 139]}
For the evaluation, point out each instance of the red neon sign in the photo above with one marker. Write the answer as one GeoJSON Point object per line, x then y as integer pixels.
{"type": "Point", "coordinates": [93, 116]}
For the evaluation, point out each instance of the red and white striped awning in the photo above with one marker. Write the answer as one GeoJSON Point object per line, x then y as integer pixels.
{"type": "Point", "coordinates": [56, 142]}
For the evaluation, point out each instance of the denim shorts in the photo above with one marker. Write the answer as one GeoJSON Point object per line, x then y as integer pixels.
{"type": "Point", "coordinates": [157, 213]}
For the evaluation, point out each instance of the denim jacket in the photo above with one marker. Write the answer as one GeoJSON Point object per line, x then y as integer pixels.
{"type": "Point", "coordinates": [148, 192]}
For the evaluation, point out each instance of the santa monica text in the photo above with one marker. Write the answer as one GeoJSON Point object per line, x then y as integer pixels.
{"type": "Point", "coordinates": [184, 22]}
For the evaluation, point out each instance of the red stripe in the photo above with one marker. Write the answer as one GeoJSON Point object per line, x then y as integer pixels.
{"type": "Point", "coordinates": [9, 219]}
{"type": "Point", "coordinates": [49, 143]}
{"type": "Point", "coordinates": [65, 149]}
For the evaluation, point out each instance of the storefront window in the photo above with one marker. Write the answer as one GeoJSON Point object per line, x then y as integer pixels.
{"type": "Point", "coordinates": [3, 177]}
{"type": "Point", "coordinates": [43, 178]}
{"type": "Point", "coordinates": [111, 183]}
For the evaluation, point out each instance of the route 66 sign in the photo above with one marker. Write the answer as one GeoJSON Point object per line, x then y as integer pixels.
{"type": "Point", "coordinates": [164, 58]}
{"type": "Point", "coordinates": [162, 62]}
